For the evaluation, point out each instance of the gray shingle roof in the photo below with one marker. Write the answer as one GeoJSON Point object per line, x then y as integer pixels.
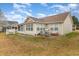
{"type": "Point", "coordinates": [7, 23]}
{"type": "Point", "coordinates": [12, 22]}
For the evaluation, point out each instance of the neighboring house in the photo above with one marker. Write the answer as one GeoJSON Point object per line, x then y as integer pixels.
{"type": "Point", "coordinates": [3, 25]}
{"type": "Point", "coordinates": [12, 24]}
{"type": "Point", "coordinates": [11, 27]}
{"type": "Point", "coordinates": [8, 26]}
{"type": "Point", "coordinates": [60, 24]}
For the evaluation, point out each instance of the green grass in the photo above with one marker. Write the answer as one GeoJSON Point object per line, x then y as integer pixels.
{"type": "Point", "coordinates": [26, 45]}
{"type": "Point", "coordinates": [72, 34]}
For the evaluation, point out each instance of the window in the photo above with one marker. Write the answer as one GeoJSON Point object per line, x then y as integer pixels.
{"type": "Point", "coordinates": [29, 27]}
{"type": "Point", "coordinates": [52, 29]}
{"type": "Point", "coordinates": [38, 28]}
{"type": "Point", "coordinates": [56, 28]}
{"type": "Point", "coordinates": [43, 28]}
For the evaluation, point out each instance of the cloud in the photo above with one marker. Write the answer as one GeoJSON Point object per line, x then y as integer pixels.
{"type": "Point", "coordinates": [19, 12]}
{"type": "Point", "coordinates": [28, 13]}
{"type": "Point", "coordinates": [72, 5]}
{"type": "Point", "coordinates": [18, 6]}
{"type": "Point", "coordinates": [64, 8]}
{"type": "Point", "coordinates": [13, 16]}
{"type": "Point", "coordinates": [12, 12]}
{"type": "Point", "coordinates": [59, 8]}
{"type": "Point", "coordinates": [44, 4]}
{"type": "Point", "coordinates": [30, 10]}
{"type": "Point", "coordinates": [18, 17]}
{"type": "Point", "coordinates": [21, 8]}
{"type": "Point", "coordinates": [76, 11]}
{"type": "Point", "coordinates": [27, 4]}
{"type": "Point", "coordinates": [41, 15]}
{"type": "Point", "coordinates": [53, 6]}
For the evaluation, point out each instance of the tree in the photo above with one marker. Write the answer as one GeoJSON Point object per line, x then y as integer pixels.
{"type": "Point", "coordinates": [2, 16]}
{"type": "Point", "coordinates": [3, 19]}
{"type": "Point", "coordinates": [75, 20]}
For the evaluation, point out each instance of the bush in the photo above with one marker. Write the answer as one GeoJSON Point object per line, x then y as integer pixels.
{"type": "Point", "coordinates": [72, 34]}
{"type": "Point", "coordinates": [54, 34]}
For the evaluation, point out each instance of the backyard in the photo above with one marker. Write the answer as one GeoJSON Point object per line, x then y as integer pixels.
{"type": "Point", "coordinates": [25, 45]}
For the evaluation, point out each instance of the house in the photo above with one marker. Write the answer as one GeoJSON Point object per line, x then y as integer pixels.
{"type": "Point", "coordinates": [21, 28]}
{"type": "Point", "coordinates": [11, 27]}
{"type": "Point", "coordinates": [8, 26]}
{"type": "Point", "coordinates": [2, 25]}
{"type": "Point", "coordinates": [60, 24]}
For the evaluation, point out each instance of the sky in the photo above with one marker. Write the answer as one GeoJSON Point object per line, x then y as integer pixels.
{"type": "Point", "coordinates": [20, 11]}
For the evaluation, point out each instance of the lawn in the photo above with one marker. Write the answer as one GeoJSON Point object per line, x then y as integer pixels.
{"type": "Point", "coordinates": [25, 45]}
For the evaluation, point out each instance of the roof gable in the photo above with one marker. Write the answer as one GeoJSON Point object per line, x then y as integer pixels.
{"type": "Point", "coordinates": [30, 20]}
{"type": "Point", "coordinates": [56, 18]}
{"type": "Point", "coordinates": [49, 19]}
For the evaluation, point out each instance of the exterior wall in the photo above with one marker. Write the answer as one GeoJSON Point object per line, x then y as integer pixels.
{"type": "Point", "coordinates": [30, 32]}
{"type": "Point", "coordinates": [60, 28]}
{"type": "Point", "coordinates": [10, 31]}
{"type": "Point", "coordinates": [1, 29]}
{"type": "Point", "coordinates": [68, 25]}
{"type": "Point", "coordinates": [38, 25]}
{"type": "Point", "coordinates": [61, 32]}
{"type": "Point", "coordinates": [49, 26]}
{"type": "Point", "coordinates": [21, 29]}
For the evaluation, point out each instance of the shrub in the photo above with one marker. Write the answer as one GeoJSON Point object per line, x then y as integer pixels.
{"type": "Point", "coordinates": [54, 34]}
{"type": "Point", "coordinates": [72, 34]}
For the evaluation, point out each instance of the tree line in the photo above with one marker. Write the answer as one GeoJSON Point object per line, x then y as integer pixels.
{"type": "Point", "coordinates": [75, 20]}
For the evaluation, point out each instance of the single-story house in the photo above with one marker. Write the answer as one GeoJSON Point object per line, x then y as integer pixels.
{"type": "Point", "coordinates": [8, 26]}
{"type": "Point", "coordinates": [3, 25]}
{"type": "Point", "coordinates": [56, 24]}
{"type": "Point", "coordinates": [11, 27]}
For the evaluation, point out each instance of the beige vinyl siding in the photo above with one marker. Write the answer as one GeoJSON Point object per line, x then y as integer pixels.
{"type": "Point", "coordinates": [1, 28]}
{"type": "Point", "coordinates": [39, 27]}
{"type": "Point", "coordinates": [61, 29]}
{"type": "Point", "coordinates": [56, 25]}
{"type": "Point", "coordinates": [67, 25]}
{"type": "Point", "coordinates": [31, 32]}
{"type": "Point", "coordinates": [49, 26]}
